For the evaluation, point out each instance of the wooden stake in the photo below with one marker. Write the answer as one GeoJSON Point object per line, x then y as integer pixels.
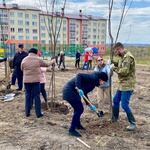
{"type": "Point", "coordinates": [83, 143]}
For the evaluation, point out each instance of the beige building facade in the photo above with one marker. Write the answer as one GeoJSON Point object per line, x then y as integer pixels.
{"type": "Point", "coordinates": [31, 27]}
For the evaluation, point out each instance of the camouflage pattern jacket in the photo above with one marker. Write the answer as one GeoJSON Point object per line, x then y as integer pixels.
{"type": "Point", "coordinates": [125, 68]}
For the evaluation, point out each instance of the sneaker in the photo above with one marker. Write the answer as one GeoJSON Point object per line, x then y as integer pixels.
{"type": "Point", "coordinates": [74, 133]}
{"type": "Point", "coordinates": [131, 127]}
{"type": "Point", "coordinates": [80, 127]}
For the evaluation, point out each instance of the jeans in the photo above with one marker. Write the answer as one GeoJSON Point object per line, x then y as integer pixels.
{"type": "Point", "coordinates": [77, 63]}
{"type": "Point", "coordinates": [78, 110]}
{"type": "Point", "coordinates": [61, 61]}
{"type": "Point", "coordinates": [124, 98]}
{"type": "Point", "coordinates": [19, 78]}
{"type": "Point", "coordinates": [13, 79]}
{"type": "Point", "coordinates": [43, 91]}
{"type": "Point", "coordinates": [32, 88]}
{"type": "Point", "coordinates": [85, 64]}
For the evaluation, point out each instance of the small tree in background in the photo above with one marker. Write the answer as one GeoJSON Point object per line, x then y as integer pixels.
{"type": "Point", "coordinates": [50, 10]}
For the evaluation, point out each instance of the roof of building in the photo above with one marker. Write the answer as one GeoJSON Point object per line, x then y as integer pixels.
{"type": "Point", "coordinates": [16, 6]}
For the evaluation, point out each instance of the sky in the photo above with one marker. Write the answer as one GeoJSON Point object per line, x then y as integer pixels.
{"type": "Point", "coordinates": [136, 24]}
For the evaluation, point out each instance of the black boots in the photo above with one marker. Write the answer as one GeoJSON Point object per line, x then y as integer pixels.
{"type": "Point", "coordinates": [132, 121]}
{"type": "Point", "coordinates": [74, 133]}
{"type": "Point", "coordinates": [115, 114]}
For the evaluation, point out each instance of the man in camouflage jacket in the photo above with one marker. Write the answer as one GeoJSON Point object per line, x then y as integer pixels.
{"type": "Point", "coordinates": [125, 68]}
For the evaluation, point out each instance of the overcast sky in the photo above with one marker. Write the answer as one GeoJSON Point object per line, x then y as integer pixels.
{"type": "Point", "coordinates": [136, 26]}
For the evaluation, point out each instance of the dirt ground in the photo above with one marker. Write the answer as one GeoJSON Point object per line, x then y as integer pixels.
{"type": "Point", "coordinates": [49, 132]}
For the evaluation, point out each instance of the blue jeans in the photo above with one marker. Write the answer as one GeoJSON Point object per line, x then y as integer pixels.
{"type": "Point", "coordinates": [43, 91]}
{"type": "Point", "coordinates": [78, 110]}
{"type": "Point", "coordinates": [61, 61]}
{"type": "Point", "coordinates": [32, 88]}
{"type": "Point", "coordinates": [85, 64]}
{"type": "Point", "coordinates": [124, 98]}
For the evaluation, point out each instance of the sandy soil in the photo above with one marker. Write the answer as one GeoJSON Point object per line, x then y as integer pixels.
{"type": "Point", "coordinates": [49, 132]}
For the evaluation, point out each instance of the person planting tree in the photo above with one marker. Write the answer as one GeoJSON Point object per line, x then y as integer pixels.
{"type": "Point", "coordinates": [85, 82]}
{"type": "Point", "coordinates": [125, 68]}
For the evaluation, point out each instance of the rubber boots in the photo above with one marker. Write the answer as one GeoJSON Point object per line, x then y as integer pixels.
{"type": "Point", "coordinates": [115, 114]}
{"type": "Point", "coordinates": [132, 125]}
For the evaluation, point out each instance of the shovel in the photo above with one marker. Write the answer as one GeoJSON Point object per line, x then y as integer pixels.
{"type": "Point", "coordinates": [89, 103]}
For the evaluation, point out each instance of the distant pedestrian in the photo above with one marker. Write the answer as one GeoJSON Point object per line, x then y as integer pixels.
{"type": "Point", "coordinates": [77, 59]}
{"type": "Point", "coordinates": [61, 59]}
{"type": "Point", "coordinates": [19, 56]}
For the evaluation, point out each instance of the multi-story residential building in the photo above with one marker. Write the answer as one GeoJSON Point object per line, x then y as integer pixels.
{"type": "Point", "coordinates": [33, 27]}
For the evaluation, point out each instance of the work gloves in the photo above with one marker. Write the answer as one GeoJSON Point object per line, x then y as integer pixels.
{"type": "Point", "coordinates": [92, 107]}
{"type": "Point", "coordinates": [81, 93]}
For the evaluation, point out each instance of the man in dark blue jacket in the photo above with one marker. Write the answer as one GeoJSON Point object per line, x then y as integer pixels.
{"type": "Point", "coordinates": [77, 61]}
{"type": "Point", "coordinates": [19, 56]}
{"type": "Point", "coordinates": [87, 82]}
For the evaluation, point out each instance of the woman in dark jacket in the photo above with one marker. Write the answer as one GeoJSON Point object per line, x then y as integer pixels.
{"type": "Point", "coordinates": [87, 82]}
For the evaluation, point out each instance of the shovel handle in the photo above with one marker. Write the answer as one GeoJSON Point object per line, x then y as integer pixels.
{"type": "Point", "coordinates": [85, 98]}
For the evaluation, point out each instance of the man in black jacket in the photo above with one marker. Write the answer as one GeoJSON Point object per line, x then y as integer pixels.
{"type": "Point", "coordinates": [87, 82]}
{"type": "Point", "coordinates": [19, 56]}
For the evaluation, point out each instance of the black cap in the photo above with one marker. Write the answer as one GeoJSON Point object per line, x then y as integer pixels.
{"type": "Point", "coordinates": [103, 76]}
{"type": "Point", "coordinates": [20, 45]}
{"type": "Point", "coordinates": [33, 50]}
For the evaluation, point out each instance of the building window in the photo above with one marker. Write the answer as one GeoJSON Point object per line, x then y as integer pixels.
{"type": "Point", "coordinates": [12, 22]}
{"type": "Point", "coordinates": [94, 30]}
{"type": "Point", "coordinates": [27, 38]}
{"type": "Point", "coordinates": [102, 37]}
{"type": "Point", "coordinates": [89, 36]}
{"type": "Point", "coordinates": [89, 30]}
{"type": "Point", "coordinates": [20, 22]}
{"type": "Point", "coordinates": [58, 42]}
{"type": "Point", "coordinates": [102, 42]}
{"type": "Point", "coordinates": [35, 38]}
{"type": "Point", "coordinates": [42, 34]}
{"type": "Point", "coordinates": [58, 21]}
{"type": "Point", "coordinates": [94, 24]}
{"type": "Point", "coordinates": [34, 30]}
{"type": "Point", "coordinates": [42, 21]}
{"type": "Point", "coordinates": [34, 23]}
{"type": "Point", "coordinates": [26, 16]}
{"type": "Point", "coordinates": [89, 23]}
{"type": "Point", "coordinates": [102, 48]}
{"type": "Point", "coordinates": [43, 42]}
{"type": "Point", "coordinates": [12, 37]}
{"type": "Point", "coordinates": [88, 42]}
{"type": "Point", "coordinates": [20, 15]}
{"type": "Point", "coordinates": [94, 42]}
{"type": "Point", "coordinates": [103, 24]}
{"type": "Point", "coordinates": [27, 23]}
{"type": "Point", "coordinates": [11, 14]}
{"type": "Point", "coordinates": [64, 28]}
{"type": "Point", "coordinates": [20, 30]}
{"type": "Point", "coordinates": [64, 21]}
{"type": "Point", "coordinates": [34, 16]}
{"type": "Point", "coordinates": [12, 29]}
{"type": "Point", "coordinates": [103, 31]}
{"type": "Point", "coordinates": [27, 30]}
{"type": "Point", "coordinates": [42, 27]}
{"type": "Point", "coordinates": [94, 36]}
{"type": "Point", "coordinates": [20, 37]}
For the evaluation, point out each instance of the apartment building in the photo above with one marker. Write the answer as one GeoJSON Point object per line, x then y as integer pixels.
{"type": "Point", "coordinates": [33, 27]}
